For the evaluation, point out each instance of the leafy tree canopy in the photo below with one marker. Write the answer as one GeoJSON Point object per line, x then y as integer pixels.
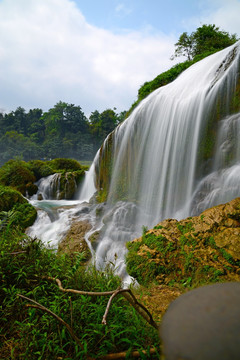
{"type": "Point", "coordinates": [207, 38]}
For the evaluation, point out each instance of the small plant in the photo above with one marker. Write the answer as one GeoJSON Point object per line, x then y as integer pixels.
{"type": "Point", "coordinates": [26, 266]}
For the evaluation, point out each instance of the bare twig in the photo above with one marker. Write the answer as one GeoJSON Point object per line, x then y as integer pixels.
{"type": "Point", "coordinates": [43, 308]}
{"type": "Point", "coordinates": [127, 293]}
{"type": "Point", "coordinates": [116, 292]}
{"type": "Point", "coordinates": [16, 252]}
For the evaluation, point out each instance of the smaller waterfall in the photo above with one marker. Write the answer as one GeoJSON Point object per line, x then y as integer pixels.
{"type": "Point", "coordinates": [55, 214]}
{"type": "Point", "coordinates": [49, 187]}
{"type": "Point", "coordinates": [88, 188]}
{"type": "Point", "coordinates": [56, 187]}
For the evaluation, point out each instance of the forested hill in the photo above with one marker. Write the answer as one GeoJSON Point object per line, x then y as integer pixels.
{"type": "Point", "coordinates": [62, 131]}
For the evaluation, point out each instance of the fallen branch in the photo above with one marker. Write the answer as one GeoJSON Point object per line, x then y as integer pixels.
{"type": "Point", "coordinates": [140, 308]}
{"type": "Point", "coordinates": [43, 308]}
{"type": "Point", "coordinates": [16, 252]}
{"type": "Point", "coordinates": [122, 355]}
{"type": "Point", "coordinates": [116, 292]}
{"type": "Point", "coordinates": [73, 291]}
{"type": "Point", "coordinates": [127, 293]}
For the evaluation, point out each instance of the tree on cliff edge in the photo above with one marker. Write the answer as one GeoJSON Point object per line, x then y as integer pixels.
{"type": "Point", "coordinates": [207, 38]}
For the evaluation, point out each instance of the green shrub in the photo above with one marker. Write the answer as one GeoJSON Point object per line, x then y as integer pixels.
{"type": "Point", "coordinates": [65, 164]}
{"type": "Point", "coordinates": [25, 215]}
{"type": "Point", "coordinates": [10, 197]}
{"type": "Point", "coordinates": [17, 174]}
{"type": "Point", "coordinates": [40, 168]}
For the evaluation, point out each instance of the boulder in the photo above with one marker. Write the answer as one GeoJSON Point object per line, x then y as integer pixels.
{"type": "Point", "coordinates": [203, 324]}
{"type": "Point", "coordinates": [74, 241]}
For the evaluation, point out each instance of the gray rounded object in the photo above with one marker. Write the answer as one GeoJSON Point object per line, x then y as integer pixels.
{"type": "Point", "coordinates": [203, 324]}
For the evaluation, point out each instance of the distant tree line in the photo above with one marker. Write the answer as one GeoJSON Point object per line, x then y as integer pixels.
{"type": "Point", "coordinates": [62, 131]}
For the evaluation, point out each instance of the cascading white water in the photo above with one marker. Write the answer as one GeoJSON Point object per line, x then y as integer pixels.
{"type": "Point", "coordinates": [88, 188]}
{"type": "Point", "coordinates": [156, 150]}
{"type": "Point", "coordinates": [156, 170]}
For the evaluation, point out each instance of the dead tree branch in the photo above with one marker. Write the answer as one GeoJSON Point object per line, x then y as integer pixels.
{"type": "Point", "coordinates": [122, 355]}
{"type": "Point", "coordinates": [140, 308]}
{"type": "Point", "coordinates": [73, 291]}
{"type": "Point", "coordinates": [127, 293]}
{"type": "Point", "coordinates": [116, 292]}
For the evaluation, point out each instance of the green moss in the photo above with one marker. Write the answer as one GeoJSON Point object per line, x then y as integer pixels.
{"type": "Point", "coordinates": [79, 175]}
{"type": "Point", "coordinates": [25, 215]}
{"type": "Point", "coordinates": [104, 169]}
{"type": "Point", "coordinates": [186, 259]}
{"type": "Point", "coordinates": [16, 174]}
{"type": "Point", "coordinates": [40, 168]}
{"type": "Point", "coordinates": [10, 197]}
{"type": "Point", "coordinates": [65, 164]}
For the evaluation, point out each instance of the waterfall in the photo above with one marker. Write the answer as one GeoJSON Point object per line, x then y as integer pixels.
{"type": "Point", "coordinates": [49, 187]}
{"type": "Point", "coordinates": [177, 154]}
{"type": "Point", "coordinates": [88, 187]}
{"type": "Point", "coordinates": [180, 145]}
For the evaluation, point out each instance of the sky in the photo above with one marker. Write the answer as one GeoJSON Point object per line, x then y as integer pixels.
{"type": "Point", "coordinates": [94, 53]}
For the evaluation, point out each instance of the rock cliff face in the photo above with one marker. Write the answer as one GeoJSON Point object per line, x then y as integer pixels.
{"type": "Point", "coordinates": [74, 241]}
{"type": "Point", "coordinates": [200, 249]}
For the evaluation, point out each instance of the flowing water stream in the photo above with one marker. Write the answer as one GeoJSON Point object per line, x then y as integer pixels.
{"type": "Point", "coordinates": [160, 161]}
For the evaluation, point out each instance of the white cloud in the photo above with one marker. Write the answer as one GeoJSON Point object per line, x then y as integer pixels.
{"type": "Point", "coordinates": [223, 13]}
{"type": "Point", "coordinates": [227, 16]}
{"type": "Point", "coordinates": [123, 9]}
{"type": "Point", "coordinates": [50, 53]}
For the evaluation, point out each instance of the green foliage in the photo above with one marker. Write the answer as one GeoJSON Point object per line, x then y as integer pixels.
{"type": "Point", "coordinates": [206, 39]}
{"type": "Point", "coordinates": [64, 164]}
{"type": "Point", "coordinates": [181, 257]}
{"type": "Point", "coordinates": [161, 80]}
{"type": "Point", "coordinates": [185, 228]}
{"type": "Point", "coordinates": [62, 131]}
{"type": "Point", "coordinates": [25, 215]}
{"type": "Point", "coordinates": [9, 197]}
{"type": "Point", "coordinates": [41, 168]}
{"type": "Point", "coordinates": [17, 174]}
{"type": "Point", "coordinates": [146, 266]}
{"type": "Point", "coordinates": [29, 333]}
{"type": "Point", "coordinates": [15, 209]}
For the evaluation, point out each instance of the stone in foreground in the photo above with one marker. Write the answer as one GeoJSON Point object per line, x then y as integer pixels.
{"type": "Point", "coordinates": [203, 324]}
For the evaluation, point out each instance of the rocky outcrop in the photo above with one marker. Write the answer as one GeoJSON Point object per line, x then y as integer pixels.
{"type": "Point", "coordinates": [74, 241]}
{"type": "Point", "coordinates": [205, 248]}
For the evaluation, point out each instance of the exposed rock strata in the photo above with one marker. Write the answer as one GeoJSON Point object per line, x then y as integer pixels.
{"type": "Point", "coordinates": [198, 249]}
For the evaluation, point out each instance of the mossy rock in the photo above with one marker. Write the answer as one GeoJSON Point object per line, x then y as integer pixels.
{"type": "Point", "coordinates": [16, 174]}
{"type": "Point", "coordinates": [74, 242]}
{"type": "Point", "coordinates": [10, 197]}
{"type": "Point", "coordinates": [24, 213]}
{"type": "Point", "coordinates": [41, 168]}
{"type": "Point", "coordinates": [190, 252]}
{"type": "Point", "coordinates": [65, 164]}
